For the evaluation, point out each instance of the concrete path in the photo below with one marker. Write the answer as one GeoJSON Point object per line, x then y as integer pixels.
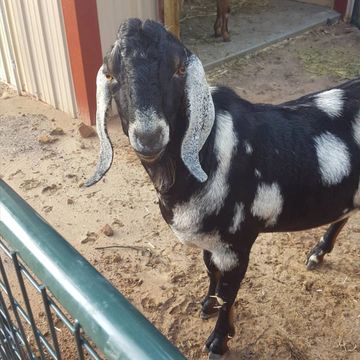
{"type": "Point", "coordinates": [252, 28]}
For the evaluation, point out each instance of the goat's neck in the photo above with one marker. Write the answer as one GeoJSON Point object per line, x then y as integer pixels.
{"type": "Point", "coordinates": [163, 173]}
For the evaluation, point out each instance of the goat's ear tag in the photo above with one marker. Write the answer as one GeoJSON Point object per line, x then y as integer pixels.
{"type": "Point", "coordinates": [201, 116]}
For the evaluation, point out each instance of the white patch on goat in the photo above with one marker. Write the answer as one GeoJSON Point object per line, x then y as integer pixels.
{"type": "Point", "coordinates": [224, 258]}
{"type": "Point", "coordinates": [313, 259]}
{"type": "Point", "coordinates": [248, 148]}
{"type": "Point", "coordinates": [333, 157]}
{"type": "Point", "coordinates": [268, 203]}
{"type": "Point", "coordinates": [331, 102]}
{"type": "Point", "coordinates": [356, 128]}
{"type": "Point", "coordinates": [238, 218]}
{"type": "Point", "coordinates": [206, 241]}
{"type": "Point", "coordinates": [146, 122]}
{"type": "Point", "coordinates": [257, 173]}
{"type": "Point", "coordinates": [356, 200]}
{"type": "Point", "coordinates": [188, 216]}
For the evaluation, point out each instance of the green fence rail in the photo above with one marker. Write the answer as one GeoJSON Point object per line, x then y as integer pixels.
{"type": "Point", "coordinates": [116, 327]}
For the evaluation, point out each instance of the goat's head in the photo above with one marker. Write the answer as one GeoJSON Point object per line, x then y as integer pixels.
{"type": "Point", "coordinates": [154, 79]}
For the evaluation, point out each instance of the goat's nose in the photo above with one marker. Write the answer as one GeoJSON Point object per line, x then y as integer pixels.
{"type": "Point", "coordinates": [149, 142]}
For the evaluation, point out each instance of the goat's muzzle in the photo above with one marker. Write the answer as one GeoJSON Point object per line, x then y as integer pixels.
{"type": "Point", "coordinates": [149, 142]}
{"type": "Point", "coordinates": [150, 158]}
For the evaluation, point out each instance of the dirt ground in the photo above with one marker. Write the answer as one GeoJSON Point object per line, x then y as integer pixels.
{"type": "Point", "coordinates": [282, 310]}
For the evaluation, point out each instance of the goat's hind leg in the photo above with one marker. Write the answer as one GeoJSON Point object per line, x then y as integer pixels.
{"type": "Point", "coordinates": [225, 19]}
{"type": "Point", "coordinates": [208, 308]}
{"type": "Point", "coordinates": [325, 245]}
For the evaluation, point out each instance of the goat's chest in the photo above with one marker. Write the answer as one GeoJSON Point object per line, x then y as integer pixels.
{"type": "Point", "coordinates": [206, 241]}
{"type": "Point", "coordinates": [187, 225]}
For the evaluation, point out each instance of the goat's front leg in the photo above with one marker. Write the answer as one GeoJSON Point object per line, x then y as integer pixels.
{"type": "Point", "coordinates": [209, 304]}
{"type": "Point", "coordinates": [325, 245]}
{"type": "Point", "coordinates": [226, 292]}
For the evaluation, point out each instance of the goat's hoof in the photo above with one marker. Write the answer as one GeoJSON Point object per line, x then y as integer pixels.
{"type": "Point", "coordinates": [315, 257]}
{"type": "Point", "coordinates": [208, 309]}
{"type": "Point", "coordinates": [216, 344]}
{"type": "Point", "coordinates": [226, 38]}
{"type": "Point", "coordinates": [314, 261]}
{"type": "Point", "coordinates": [213, 356]}
{"type": "Point", "coordinates": [206, 316]}
{"type": "Point", "coordinates": [217, 32]}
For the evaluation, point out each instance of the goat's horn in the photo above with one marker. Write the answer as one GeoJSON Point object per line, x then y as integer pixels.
{"type": "Point", "coordinates": [201, 116]}
{"type": "Point", "coordinates": [103, 105]}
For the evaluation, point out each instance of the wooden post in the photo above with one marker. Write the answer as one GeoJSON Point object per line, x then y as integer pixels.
{"type": "Point", "coordinates": [172, 16]}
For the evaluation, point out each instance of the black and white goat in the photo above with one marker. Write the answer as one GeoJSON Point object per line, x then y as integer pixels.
{"type": "Point", "coordinates": [225, 169]}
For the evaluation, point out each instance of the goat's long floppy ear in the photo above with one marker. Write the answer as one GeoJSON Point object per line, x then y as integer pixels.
{"type": "Point", "coordinates": [103, 105]}
{"type": "Point", "coordinates": [201, 116]}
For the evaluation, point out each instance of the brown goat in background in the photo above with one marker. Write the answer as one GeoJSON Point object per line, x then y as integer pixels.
{"type": "Point", "coordinates": [222, 18]}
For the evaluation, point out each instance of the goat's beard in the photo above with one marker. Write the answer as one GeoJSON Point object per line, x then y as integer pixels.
{"type": "Point", "coordinates": [162, 173]}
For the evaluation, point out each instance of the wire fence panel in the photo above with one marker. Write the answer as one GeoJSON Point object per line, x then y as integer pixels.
{"type": "Point", "coordinates": [55, 305]}
{"type": "Point", "coordinates": [14, 335]}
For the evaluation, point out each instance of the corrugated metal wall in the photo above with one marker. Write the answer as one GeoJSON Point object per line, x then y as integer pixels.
{"type": "Point", "coordinates": [33, 51]}
{"type": "Point", "coordinates": [112, 12]}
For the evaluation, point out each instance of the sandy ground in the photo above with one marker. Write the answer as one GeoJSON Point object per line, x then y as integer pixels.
{"type": "Point", "coordinates": [282, 311]}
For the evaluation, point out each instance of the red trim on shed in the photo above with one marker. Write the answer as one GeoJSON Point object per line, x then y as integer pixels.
{"type": "Point", "coordinates": [83, 39]}
{"type": "Point", "coordinates": [340, 6]}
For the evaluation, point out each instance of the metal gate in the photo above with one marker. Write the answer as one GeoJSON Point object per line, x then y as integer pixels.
{"type": "Point", "coordinates": [55, 305]}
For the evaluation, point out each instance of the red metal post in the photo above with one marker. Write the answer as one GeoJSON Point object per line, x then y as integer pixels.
{"type": "Point", "coordinates": [83, 39]}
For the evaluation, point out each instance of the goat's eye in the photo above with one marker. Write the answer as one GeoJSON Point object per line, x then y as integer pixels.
{"type": "Point", "coordinates": [180, 71]}
{"type": "Point", "coordinates": [108, 76]}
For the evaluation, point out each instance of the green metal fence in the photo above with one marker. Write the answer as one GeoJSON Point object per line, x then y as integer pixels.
{"type": "Point", "coordinates": [101, 323]}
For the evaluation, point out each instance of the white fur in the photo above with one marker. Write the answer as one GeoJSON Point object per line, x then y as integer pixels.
{"type": "Point", "coordinates": [331, 102]}
{"type": "Point", "coordinates": [268, 203]}
{"type": "Point", "coordinates": [205, 241]}
{"type": "Point", "coordinates": [147, 121]}
{"type": "Point", "coordinates": [238, 218]}
{"type": "Point", "coordinates": [333, 157]}
{"type": "Point", "coordinates": [313, 259]}
{"type": "Point", "coordinates": [356, 200]}
{"type": "Point", "coordinates": [188, 216]}
{"type": "Point", "coordinates": [356, 128]}
{"type": "Point", "coordinates": [222, 256]}
{"type": "Point", "coordinates": [248, 148]}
